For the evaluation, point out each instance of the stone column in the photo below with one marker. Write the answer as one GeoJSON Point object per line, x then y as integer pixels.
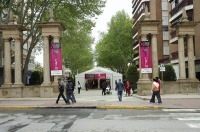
{"type": "Point", "coordinates": [18, 69]}
{"type": "Point", "coordinates": [181, 56]}
{"type": "Point", "coordinates": [55, 82]}
{"type": "Point", "coordinates": [7, 64]}
{"type": "Point", "coordinates": [154, 53]}
{"type": "Point", "coordinates": [191, 64]}
{"type": "Point", "coordinates": [46, 61]}
{"type": "Point", "coordinates": [143, 76]}
{"type": "Point", "coordinates": [153, 9]}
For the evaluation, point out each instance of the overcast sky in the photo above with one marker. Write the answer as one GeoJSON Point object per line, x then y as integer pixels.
{"type": "Point", "coordinates": [112, 7]}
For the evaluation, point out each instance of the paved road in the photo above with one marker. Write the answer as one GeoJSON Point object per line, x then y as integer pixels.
{"type": "Point", "coordinates": [100, 120]}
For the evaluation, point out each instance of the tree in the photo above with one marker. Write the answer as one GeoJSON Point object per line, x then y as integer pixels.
{"type": "Point", "coordinates": [132, 75]}
{"type": "Point", "coordinates": [38, 67]}
{"type": "Point", "coordinates": [36, 78]}
{"type": "Point", "coordinates": [114, 48]}
{"type": "Point", "coordinates": [169, 73]}
{"type": "Point", "coordinates": [70, 12]}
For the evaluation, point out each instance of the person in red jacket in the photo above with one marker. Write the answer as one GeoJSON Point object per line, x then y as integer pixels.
{"type": "Point", "coordinates": [158, 83]}
{"type": "Point", "coordinates": [127, 87]}
{"type": "Point", "coordinates": [159, 86]}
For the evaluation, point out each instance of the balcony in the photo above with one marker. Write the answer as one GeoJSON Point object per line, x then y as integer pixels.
{"type": "Point", "coordinates": [180, 6]}
{"type": "Point", "coordinates": [135, 43]}
{"type": "Point", "coordinates": [164, 60]}
{"type": "Point", "coordinates": [138, 2]}
{"type": "Point", "coordinates": [138, 15]}
{"type": "Point", "coordinates": [173, 33]}
{"type": "Point", "coordinates": [175, 54]}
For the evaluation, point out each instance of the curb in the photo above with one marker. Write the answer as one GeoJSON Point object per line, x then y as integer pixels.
{"type": "Point", "coordinates": [130, 107]}
{"type": "Point", "coordinates": [83, 107]}
{"type": "Point", "coordinates": [47, 107]}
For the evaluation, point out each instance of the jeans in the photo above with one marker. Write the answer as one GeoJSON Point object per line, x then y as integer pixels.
{"type": "Point", "coordinates": [73, 97]}
{"type": "Point", "coordinates": [119, 94]}
{"type": "Point", "coordinates": [69, 96]}
{"type": "Point", "coordinates": [157, 94]}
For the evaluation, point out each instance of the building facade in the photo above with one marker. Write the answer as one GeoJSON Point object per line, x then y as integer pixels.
{"type": "Point", "coordinates": [176, 8]}
{"type": "Point", "coordinates": [157, 10]}
{"type": "Point", "coordinates": [169, 12]}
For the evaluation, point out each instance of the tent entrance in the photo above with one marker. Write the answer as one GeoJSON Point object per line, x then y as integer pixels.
{"type": "Point", "coordinates": [92, 83]}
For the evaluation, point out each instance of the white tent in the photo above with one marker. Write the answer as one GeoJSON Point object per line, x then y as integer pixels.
{"type": "Point", "coordinates": [113, 76]}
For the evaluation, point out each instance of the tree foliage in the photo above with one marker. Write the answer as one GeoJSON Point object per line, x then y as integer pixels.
{"type": "Point", "coordinates": [169, 73]}
{"type": "Point", "coordinates": [114, 48]}
{"type": "Point", "coordinates": [36, 78]}
{"type": "Point", "coordinates": [76, 15]}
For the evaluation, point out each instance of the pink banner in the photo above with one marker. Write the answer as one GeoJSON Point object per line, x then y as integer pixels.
{"type": "Point", "coordinates": [56, 59]}
{"type": "Point", "coordinates": [100, 76]}
{"type": "Point", "coordinates": [95, 76]}
{"type": "Point", "coordinates": [145, 56]}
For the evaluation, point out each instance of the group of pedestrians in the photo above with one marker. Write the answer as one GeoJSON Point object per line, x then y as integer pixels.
{"type": "Point", "coordinates": [69, 91]}
{"type": "Point", "coordinates": [119, 87]}
{"type": "Point", "coordinates": [106, 88]}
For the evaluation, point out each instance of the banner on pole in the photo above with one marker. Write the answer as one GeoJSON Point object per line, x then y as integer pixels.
{"type": "Point", "coordinates": [56, 59]}
{"type": "Point", "coordinates": [145, 57]}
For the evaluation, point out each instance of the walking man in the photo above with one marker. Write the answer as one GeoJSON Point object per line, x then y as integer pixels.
{"type": "Point", "coordinates": [69, 90]}
{"type": "Point", "coordinates": [120, 88]}
{"type": "Point", "coordinates": [86, 86]}
{"type": "Point", "coordinates": [61, 91]}
{"type": "Point", "coordinates": [104, 86]}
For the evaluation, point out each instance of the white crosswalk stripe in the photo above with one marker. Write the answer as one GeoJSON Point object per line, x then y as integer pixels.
{"type": "Point", "coordinates": [193, 125]}
{"type": "Point", "coordinates": [189, 116]}
{"type": "Point", "coordinates": [185, 110]}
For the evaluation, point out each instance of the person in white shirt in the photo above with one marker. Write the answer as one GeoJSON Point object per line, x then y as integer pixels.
{"type": "Point", "coordinates": [155, 91]}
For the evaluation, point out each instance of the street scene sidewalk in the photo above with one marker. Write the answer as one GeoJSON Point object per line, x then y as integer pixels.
{"type": "Point", "coordinates": [95, 99]}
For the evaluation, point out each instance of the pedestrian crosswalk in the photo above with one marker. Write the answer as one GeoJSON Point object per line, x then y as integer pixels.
{"type": "Point", "coordinates": [188, 116]}
{"type": "Point", "coordinates": [177, 119]}
{"type": "Point", "coordinates": [35, 123]}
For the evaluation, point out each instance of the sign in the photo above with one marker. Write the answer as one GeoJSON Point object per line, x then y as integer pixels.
{"type": "Point", "coordinates": [95, 76]}
{"type": "Point", "coordinates": [56, 59]}
{"type": "Point", "coordinates": [145, 57]}
{"type": "Point", "coordinates": [162, 67]}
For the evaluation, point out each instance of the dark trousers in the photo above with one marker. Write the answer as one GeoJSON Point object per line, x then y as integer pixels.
{"type": "Point", "coordinates": [157, 94]}
{"type": "Point", "coordinates": [79, 90]}
{"type": "Point", "coordinates": [69, 96]}
{"type": "Point", "coordinates": [103, 91]}
{"type": "Point", "coordinates": [119, 94]}
{"type": "Point", "coordinates": [61, 95]}
{"type": "Point", "coordinates": [73, 96]}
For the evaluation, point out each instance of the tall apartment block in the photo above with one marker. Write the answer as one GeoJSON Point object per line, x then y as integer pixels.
{"type": "Point", "coordinates": [158, 10]}
{"type": "Point", "coordinates": [193, 15]}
